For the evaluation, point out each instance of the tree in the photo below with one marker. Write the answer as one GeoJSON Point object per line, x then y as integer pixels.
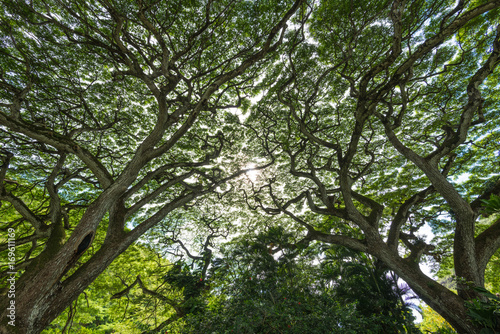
{"type": "Point", "coordinates": [119, 113]}
{"type": "Point", "coordinates": [263, 284]}
{"type": "Point", "coordinates": [377, 109]}
{"type": "Point", "coordinates": [114, 111]}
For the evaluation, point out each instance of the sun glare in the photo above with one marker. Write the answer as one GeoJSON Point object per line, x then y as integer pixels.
{"type": "Point", "coordinates": [252, 173]}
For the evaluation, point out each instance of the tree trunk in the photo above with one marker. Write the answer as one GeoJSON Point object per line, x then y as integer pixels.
{"type": "Point", "coordinates": [448, 304]}
{"type": "Point", "coordinates": [35, 311]}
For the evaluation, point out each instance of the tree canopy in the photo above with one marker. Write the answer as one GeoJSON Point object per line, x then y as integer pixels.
{"type": "Point", "coordinates": [362, 123]}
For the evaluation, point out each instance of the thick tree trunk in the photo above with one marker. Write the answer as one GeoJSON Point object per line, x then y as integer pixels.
{"type": "Point", "coordinates": [35, 311]}
{"type": "Point", "coordinates": [448, 304]}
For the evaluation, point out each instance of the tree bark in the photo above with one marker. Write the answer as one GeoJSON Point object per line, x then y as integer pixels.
{"type": "Point", "coordinates": [449, 305]}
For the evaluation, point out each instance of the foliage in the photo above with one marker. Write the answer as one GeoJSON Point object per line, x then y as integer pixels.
{"type": "Point", "coordinates": [432, 322]}
{"type": "Point", "coordinates": [493, 204]}
{"type": "Point", "coordinates": [95, 311]}
{"type": "Point", "coordinates": [192, 285]}
{"type": "Point", "coordinates": [260, 285]}
{"type": "Point", "coordinates": [491, 274]}
{"type": "Point", "coordinates": [376, 293]}
{"type": "Point", "coordinates": [485, 313]}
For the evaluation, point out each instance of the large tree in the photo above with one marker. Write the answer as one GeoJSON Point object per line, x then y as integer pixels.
{"type": "Point", "coordinates": [375, 113]}
{"type": "Point", "coordinates": [114, 112]}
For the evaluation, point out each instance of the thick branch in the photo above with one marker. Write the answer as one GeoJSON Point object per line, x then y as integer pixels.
{"type": "Point", "coordinates": [403, 214]}
{"type": "Point", "coordinates": [61, 143]}
{"type": "Point", "coordinates": [313, 234]}
{"type": "Point", "coordinates": [487, 243]}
